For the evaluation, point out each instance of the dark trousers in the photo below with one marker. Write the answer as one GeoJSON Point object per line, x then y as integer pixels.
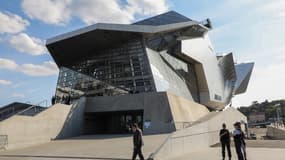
{"type": "Point", "coordinates": [239, 152]}
{"type": "Point", "coordinates": [244, 151]}
{"type": "Point", "coordinates": [138, 151]}
{"type": "Point", "coordinates": [228, 145]}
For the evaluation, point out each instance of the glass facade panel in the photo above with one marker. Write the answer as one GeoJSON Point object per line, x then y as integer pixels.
{"type": "Point", "coordinates": [120, 70]}
{"type": "Point", "coordinates": [74, 85]}
{"type": "Point", "coordinates": [122, 66]}
{"type": "Point", "coordinates": [126, 70]}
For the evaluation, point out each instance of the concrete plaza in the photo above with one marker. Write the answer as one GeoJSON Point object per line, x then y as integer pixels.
{"type": "Point", "coordinates": [113, 147]}
{"type": "Point", "coordinates": [252, 154]}
{"type": "Point", "coordinates": [119, 147]}
{"type": "Point", "coordinates": [256, 150]}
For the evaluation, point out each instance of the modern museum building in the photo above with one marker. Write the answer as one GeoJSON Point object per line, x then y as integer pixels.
{"type": "Point", "coordinates": [162, 73]}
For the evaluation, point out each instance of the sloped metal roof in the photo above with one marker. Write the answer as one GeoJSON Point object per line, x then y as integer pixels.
{"type": "Point", "coordinates": [163, 19]}
{"type": "Point", "coordinates": [74, 46]}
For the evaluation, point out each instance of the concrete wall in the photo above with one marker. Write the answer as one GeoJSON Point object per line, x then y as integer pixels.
{"type": "Point", "coordinates": [165, 111]}
{"type": "Point", "coordinates": [275, 133]}
{"type": "Point", "coordinates": [74, 122]}
{"type": "Point", "coordinates": [185, 112]}
{"type": "Point", "coordinates": [154, 105]}
{"type": "Point", "coordinates": [54, 122]}
{"type": "Point", "coordinates": [203, 133]}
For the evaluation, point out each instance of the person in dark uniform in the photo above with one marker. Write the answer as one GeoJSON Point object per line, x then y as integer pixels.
{"type": "Point", "coordinates": [138, 142]}
{"type": "Point", "coordinates": [225, 141]}
{"type": "Point", "coordinates": [68, 99]}
{"type": "Point", "coordinates": [53, 100]}
{"type": "Point", "coordinates": [237, 134]}
{"type": "Point", "coordinates": [243, 144]}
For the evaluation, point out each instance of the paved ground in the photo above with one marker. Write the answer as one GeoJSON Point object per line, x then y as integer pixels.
{"type": "Point", "coordinates": [256, 150]}
{"type": "Point", "coordinates": [262, 144]}
{"type": "Point", "coordinates": [110, 147]}
{"type": "Point", "coordinates": [119, 147]}
{"type": "Point", "coordinates": [253, 154]}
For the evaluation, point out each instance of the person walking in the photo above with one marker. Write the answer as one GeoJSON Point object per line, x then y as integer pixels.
{"type": "Point", "coordinates": [138, 142]}
{"type": "Point", "coordinates": [243, 144]}
{"type": "Point", "coordinates": [238, 141]}
{"type": "Point", "coordinates": [225, 141]}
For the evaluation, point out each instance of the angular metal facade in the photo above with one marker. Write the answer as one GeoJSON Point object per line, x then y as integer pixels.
{"type": "Point", "coordinates": [168, 52]}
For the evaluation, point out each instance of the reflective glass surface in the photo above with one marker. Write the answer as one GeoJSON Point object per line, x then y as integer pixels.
{"type": "Point", "coordinates": [173, 75]}
{"type": "Point", "coordinates": [74, 85]}
{"type": "Point", "coordinates": [123, 69]}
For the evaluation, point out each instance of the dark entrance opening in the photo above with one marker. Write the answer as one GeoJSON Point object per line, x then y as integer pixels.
{"type": "Point", "coordinates": [117, 122]}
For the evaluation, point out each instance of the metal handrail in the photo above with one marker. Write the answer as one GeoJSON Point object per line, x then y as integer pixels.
{"type": "Point", "coordinates": [23, 111]}
{"type": "Point", "coordinates": [43, 101]}
{"type": "Point", "coordinates": [172, 136]}
{"type": "Point", "coordinates": [8, 110]}
{"type": "Point", "coordinates": [32, 106]}
{"type": "Point", "coordinates": [20, 112]}
{"type": "Point", "coordinates": [4, 110]}
{"type": "Point", "coordinates": [185, 124]}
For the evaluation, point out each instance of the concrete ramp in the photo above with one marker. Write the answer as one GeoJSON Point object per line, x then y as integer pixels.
{"type": "Point", "coordinates": [199, 136]}
{"type": "Point", "coordinates": [53, 123]}
{"type": "Point", "coordinates": [275, 132]}
{"type": "Point", "coordinates": [87, 147]}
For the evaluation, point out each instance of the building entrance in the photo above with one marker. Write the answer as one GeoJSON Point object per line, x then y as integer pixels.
{"type": "Point", "coordinates": [117, 122]}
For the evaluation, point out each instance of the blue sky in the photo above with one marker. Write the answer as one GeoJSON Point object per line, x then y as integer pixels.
{"type": "Point", "coordinates": [252, 29]}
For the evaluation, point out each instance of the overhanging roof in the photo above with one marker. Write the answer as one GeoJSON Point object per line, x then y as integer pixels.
{"type": "Point", "coordinates": [147, 29]}
{"type": "Point", "coordinates": [243, 71]}
{"type": "Point", "coordinates": [80, 44]}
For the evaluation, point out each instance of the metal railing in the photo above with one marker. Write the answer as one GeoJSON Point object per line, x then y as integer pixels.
{"type": "Point", "coordinates": [35, 109]}
{"type": "Point", "coordinates": [3, 142]}
{"type": "Point", "coordinates": [183, 124]}
{"type": "Point", "coordinates": [31, 110]}
{"type": "Point", "coordinates": [184, 137]}
{"type": "Point", "coordinates": [7, 112]}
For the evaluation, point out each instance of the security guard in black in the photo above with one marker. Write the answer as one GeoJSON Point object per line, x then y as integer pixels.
{"type": "Point", "coordinates": [225, 141]}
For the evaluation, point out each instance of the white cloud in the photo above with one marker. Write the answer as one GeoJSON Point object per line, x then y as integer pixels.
{"type": "Point", "coordinates": [48, 11]}
{"type": "Point", "coordinates": [48, 68]}
{"type": "Point", "coordinates": [12, 23]}
{"type": "Point", "coordinates": [26, 44]}
{"type": "Point", "coordinates": [274, 7]}
{"type": "Point", "coordinates": [91, 11]}
{"type": "Point", "coordinates": [5, 82]}
{"type": "Point", "coordinates": [8, 64]}
{"type": "Point", "coordinates": [18, 95]}
{"type": "Point", "coordinates": [148, 7]}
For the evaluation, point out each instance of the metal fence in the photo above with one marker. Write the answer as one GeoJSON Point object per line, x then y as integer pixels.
{"type": "Point", "coordinates": [183, 124]}
{"type": "Point", "coordinates": [3, 141]}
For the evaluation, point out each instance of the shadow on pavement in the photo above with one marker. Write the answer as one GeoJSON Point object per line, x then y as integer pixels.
{"type": "Point", "coordinates": [60, 157]}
